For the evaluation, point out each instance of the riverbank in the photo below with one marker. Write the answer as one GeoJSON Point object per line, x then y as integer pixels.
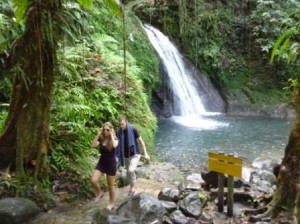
{"type": "Point", "coordinates": [151, 180]}
{"type": "Point", "coordinates": [163, 187]}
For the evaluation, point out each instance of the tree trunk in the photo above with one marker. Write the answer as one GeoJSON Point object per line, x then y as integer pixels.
{"type": "Point", "coordinates": [288, 183]}
{"type": "Point", "coordinates": [26, 134]}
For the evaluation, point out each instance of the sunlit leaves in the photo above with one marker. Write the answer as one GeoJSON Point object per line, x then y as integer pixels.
{"type": "Point", "coordinates": [20, 9]}
{"type": "Point", "coordinates": [3, 116]}
{"type": "Point", "coordinates": [112, 4]}
{"type": "Point", "coordinates": [85, 3]}
{"type": "Point", "coordinates": [288, 45]}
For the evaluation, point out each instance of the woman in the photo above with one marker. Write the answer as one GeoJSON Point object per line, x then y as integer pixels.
{"type": "Point", "coordinates": [107, 142]}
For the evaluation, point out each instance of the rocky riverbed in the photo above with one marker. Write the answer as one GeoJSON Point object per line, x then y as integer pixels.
{"type": "Point", "coordinates": [164, 196]}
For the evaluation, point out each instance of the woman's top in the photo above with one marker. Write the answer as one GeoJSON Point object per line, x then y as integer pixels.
{"type": "Point", "coordinates": [107, 162]}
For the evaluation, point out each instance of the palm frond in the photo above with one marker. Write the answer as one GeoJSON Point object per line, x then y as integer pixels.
{"type": "Point", "coordinates": [282, 43]}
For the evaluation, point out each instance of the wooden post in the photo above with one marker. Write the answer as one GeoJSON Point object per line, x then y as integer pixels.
{"type": "Point", "coordinates": [220, 192]}
{"type": "Point", "coordinates": [230, 196]}
{"type": "Point", "coordinates": [230, 165]}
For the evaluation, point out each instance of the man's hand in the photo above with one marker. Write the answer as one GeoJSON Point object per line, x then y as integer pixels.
{"type": "Point", "coordinates": [147, 158]}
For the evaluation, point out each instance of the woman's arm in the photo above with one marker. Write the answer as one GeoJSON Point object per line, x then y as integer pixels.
{"type": "Point", "coordinates": [114, 139]}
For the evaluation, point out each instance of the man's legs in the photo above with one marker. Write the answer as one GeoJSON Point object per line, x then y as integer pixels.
{"type": "Point", "coordinates": [131, 166]}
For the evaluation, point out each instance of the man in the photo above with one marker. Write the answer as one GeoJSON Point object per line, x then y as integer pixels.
{"type": "Point", "coordinates": [128, 151]}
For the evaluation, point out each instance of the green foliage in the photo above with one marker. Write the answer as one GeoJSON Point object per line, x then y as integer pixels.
{"type": "Point", "coordinates": [89, 87]}
{"type": "Point", "coordinates": [269, 18]}
{"type": "Point", "coordinates": [229, 40]}
{"type": "Point", "coordinates": [209, 36]}
{"type": "Point", "coordinates": [3, 116]}
{"type": "Point", "coordinates": [5, 88]}
{"type": "Point", "coordinates": [147, 59]}
{"type": "Point", "coordinates": [20, 9]}
{"type": "Point", "coordinates": [86, 3]}
{"type": "Point", "coordinates": [287, 46]}
{"type": "Point", "coordinates": [90, 90]}
{"type": "Point", "coordinates": [108, 27]}
{"type": "Point", "coordinates": [4, 23]}
{"type": "Point", "coordinates": [8, 186]}
{"type": "Point", "coordinates": [113, 6]}
{"type": "Point", "coordinates": [206, 32]}
{"type": "Point", "coordinates": [9, 30]}
{"type": "Point", "coordinates": [36, 191]}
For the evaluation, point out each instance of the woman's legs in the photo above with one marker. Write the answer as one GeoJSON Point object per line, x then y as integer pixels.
{"type": "Point", "coordinates": [112, 193]}
{"type": "Point", "coordinates": [95, 182]}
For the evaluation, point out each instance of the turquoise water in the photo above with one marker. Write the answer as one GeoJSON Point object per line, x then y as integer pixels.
{"type": "Point", "coordinates": [248, 137]}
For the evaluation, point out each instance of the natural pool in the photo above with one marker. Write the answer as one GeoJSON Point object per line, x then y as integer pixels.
{"type": "Point", "coordinates": [186, 141]}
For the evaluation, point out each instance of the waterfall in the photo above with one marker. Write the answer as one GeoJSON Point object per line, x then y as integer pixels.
{"type": "Point", "coordinates": [193, 93]}
{"type": "Point", "coordinates": [186, 96]}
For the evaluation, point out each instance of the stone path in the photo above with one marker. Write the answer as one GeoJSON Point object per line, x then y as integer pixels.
{"type": "Point", "coordinates": [88, 213]}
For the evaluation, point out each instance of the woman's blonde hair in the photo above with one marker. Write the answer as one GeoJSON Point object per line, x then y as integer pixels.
{"type": "Point", "coordinates": [111, 127]}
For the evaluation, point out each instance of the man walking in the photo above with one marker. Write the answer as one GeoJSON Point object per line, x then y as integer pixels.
{"type": "Point", "coordinates": [128, 151]}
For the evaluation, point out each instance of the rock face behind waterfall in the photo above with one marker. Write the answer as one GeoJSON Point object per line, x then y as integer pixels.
{"type": "Point", "coordinates": [163, 102]}
{"type": "Point", "coordinates": [210, 96]}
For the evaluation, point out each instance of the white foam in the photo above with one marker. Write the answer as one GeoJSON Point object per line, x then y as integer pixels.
{"type": "Point", "coordinates": [198, 122]}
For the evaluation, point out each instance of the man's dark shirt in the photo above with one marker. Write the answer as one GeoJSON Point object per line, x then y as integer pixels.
{"type": "Point", "coordinates": [128, 153]}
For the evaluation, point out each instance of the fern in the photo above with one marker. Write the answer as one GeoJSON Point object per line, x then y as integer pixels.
{"type": "Point", "coordinates": [88, 90]}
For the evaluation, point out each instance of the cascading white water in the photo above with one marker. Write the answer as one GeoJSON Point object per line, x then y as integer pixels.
{"type": "Point", "coordinates": [186, 95]}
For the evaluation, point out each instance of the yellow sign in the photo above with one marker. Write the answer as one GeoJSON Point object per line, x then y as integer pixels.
{"type": "Point", "coordinates": [227, 164]}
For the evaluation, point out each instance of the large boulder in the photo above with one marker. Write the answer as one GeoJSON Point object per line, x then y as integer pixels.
{"type": "Point", "coordinates": [266, 163]}
{"type": "Point", "coordinates": [169, 194]}
{"type": "Point", "coordinates": [192, 205]}
{"type": "Point", "coordinates": [142, 208]}
{"type": "Point", "coordinates": [170, 206]}
{"type": "Point", "coordinates": [194, 181]}
{"type": "Point", "coordinates": [17, 210]}
{"type": "Point", "coordinates": [177, 217]}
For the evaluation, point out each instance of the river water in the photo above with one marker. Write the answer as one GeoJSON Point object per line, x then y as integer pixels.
{"type": "Point", "coordinates": [186, 139]}
{"type": "Point", "coordinates": [186, 143]}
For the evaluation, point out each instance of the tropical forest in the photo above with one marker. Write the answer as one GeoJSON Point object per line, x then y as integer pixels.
{"type": "Point", "coordinates": [149, 111]}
